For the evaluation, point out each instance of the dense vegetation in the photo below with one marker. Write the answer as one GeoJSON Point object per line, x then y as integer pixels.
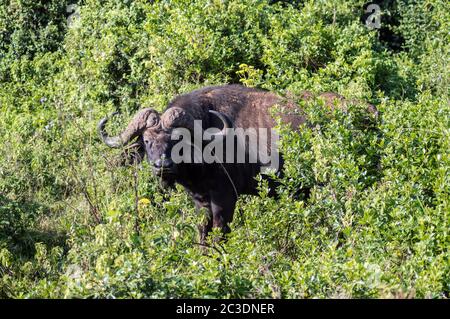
{"type": "Point", "coordinates": [75, 224]}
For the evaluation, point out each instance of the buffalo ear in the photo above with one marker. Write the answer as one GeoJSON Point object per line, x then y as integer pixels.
{"type": "Point", "coordinates": [132, 154]}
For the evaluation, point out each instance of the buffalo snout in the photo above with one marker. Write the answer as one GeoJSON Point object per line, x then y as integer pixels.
{"type": "Point", "coordinates": [163, 163]}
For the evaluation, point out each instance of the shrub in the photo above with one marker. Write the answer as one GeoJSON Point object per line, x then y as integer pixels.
{"type": "Point", "coordinates": [74, 224]}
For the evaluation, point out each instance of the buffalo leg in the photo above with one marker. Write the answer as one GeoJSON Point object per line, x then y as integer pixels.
{"type": "Point", "coordinates": [222, 207]}
{"type": "Point", "coordinates": [202, 204]}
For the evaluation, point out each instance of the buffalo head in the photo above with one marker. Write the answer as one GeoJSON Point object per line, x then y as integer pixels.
{"type": "Point", "coordinates": [152, 136]}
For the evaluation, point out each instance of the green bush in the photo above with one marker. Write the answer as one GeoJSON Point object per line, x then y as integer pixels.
{"type": "Point", "coordinates": [74, 224]}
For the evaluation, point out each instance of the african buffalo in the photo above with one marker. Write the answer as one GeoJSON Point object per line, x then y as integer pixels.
{"type": "Point", "coordinates": [214, 186]}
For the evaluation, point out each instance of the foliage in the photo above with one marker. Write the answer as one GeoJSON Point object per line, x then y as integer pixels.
{"type": "Point", "coordinates": [74, 224]}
